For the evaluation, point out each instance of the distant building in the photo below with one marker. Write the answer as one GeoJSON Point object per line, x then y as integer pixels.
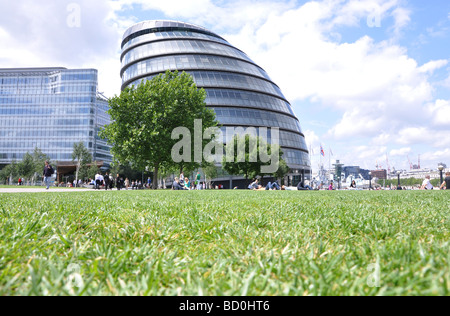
{"type": "Point", "coordinates": [379, 174]}
{"type": "Point", "coordinates": [51, 108]}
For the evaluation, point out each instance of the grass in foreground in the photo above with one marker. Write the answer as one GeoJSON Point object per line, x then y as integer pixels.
{"type": "Point", "coordinates": [225, 243]}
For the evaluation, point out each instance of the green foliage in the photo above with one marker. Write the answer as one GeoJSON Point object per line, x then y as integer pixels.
{"type": "Point", "coordinates": [211, 172]}
{"type": "Point", "coordinates": [225, 243]}
{"type": "Point", "coordinates": [127, 171]}
{"type": "Point", "coordinates": [26, 167]}
{"type": "Point", "coordinates": [245, 164]}
{"type": "Point", "coordinates": [90, 171]}
{"type": "Point", "coordinates": [144, 117]}
{"type": "Point", "coordinates": [31, 166]}
{"type": "Point", "coordinates": [411, 182]}
{"type": "Point", "coordinates": [83, 157]}
{"type": "Point", "coordinates": [282, 171]}
{"type": "Point", "coordinates": [10, 171]}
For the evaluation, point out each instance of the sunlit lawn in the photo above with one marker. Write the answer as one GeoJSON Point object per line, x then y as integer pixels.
{"type": "Point", "coordinates": [225, 243]}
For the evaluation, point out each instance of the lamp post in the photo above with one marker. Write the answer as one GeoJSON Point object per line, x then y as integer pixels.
{"type": "Point", "coordinates": [370, 180]}
{"type": "Point", "coordinates": [441, 169]}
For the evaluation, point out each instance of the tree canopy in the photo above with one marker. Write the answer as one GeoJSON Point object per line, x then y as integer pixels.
{"type": "Point", "coordinates": [243, 157]}
{"type": "Point", "coordinates": [144, 117]}
{"type": "Point", "coordinates": [30, 167]}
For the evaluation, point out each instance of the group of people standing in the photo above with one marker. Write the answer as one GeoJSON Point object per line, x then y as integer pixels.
{"type": "Point", "coordinates": [108, 182]}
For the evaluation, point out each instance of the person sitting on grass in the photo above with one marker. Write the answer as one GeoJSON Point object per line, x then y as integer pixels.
{"type": "Point", "coordinates": [254, 185]}
{"type": "Point", "coordinates": [446, 184]}
{"type": "Point", "coordinates": [187, 184]}
{"type": "Point", "coordinates": [302, 187]}
{"type": "Point", "coordinates": [331, 186]}
{"type": "Point", "coordinates": [176, 185]}
{"type": "Point", "coordinates": [426, 185]}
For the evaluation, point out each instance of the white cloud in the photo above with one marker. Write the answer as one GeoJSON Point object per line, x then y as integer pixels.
{"type": "Point", "coordinates": [436, 157]}
{"type": "Point", "coordinates": [380, 96]}
{"type": "Point", "coordinates": [41, 35]}
{"type": "Point", "coordinates": [446, 82]}
{"type": "Point", "coordinates": [400, 152]}
{"type": "Point", "coordinates": [414, 135]}
{"type": "Point", "coordinates": [402, 17]}
{"type": "Point", "coordinates": [433, 65]}
{"type": "Point", "coordinates": [312, 140]}
{"type": "Point", "coordinates": [440, 113]}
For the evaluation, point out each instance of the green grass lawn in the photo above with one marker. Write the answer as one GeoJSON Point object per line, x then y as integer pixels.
{"type": "Point", "coordinates": [225, 243]}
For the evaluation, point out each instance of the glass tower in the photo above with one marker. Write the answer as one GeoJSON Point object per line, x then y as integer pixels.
{"type": "Point", "coordinates": [51, 108]}
{"type": "Point", "coordinates": [240, 92]}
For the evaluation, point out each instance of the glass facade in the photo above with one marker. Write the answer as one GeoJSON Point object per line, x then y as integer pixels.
{"type": "Point", "coordinates": [240, 92]}
{"type": "Point", "coordinates": [51, 108]}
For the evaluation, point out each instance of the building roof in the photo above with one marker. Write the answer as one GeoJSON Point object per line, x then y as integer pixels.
{"type": "Point", "coordinates": [32, 69]}
{"type": "Point", "coordinates": [160, 23]}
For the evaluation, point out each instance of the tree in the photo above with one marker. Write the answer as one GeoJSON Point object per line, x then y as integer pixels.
{"type": "Point", "coordinates": [30, 166]}
{"type": "Point", "coordinates": [26, 167]}
{"type": "Point", "coordinates": [92, 170]}
{"type": "Point", "coordinates": [39, 159]}
{"type": "Point", "coordinates": [82, 156]}
{"type": "Point", "coordinates": [10, 172]}
{"type": "Point", "coordinates": [211, 172]}
{"type": "Point", "coordinates": [282, 171]}
{"type": "Point", "coordinates": [144, 117]}
{"type": "Point", "coordinates": [245, 158]}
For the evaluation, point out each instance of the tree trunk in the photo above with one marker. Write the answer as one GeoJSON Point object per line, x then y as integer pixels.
{"type": "Point", "coordinates": [78, 170]}
{"type": "Point", "coordinates": [155, 178]}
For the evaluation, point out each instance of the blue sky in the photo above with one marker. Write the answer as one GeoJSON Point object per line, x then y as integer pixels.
{"type": "Point", "coordinates": [369, 79]}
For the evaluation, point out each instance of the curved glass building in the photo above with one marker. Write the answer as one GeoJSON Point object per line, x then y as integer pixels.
{"type": "Point", "coordinates": [241, 92]}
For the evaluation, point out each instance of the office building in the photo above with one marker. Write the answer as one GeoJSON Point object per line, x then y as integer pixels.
{"type": "Point", "coordinates": [240, 91]}
{"type": "Point", "coordinates": [51, 109]}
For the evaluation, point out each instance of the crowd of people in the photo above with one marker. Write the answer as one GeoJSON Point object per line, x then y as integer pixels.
{"type": "Point", "coordinates": [108, 182]}
{"type": "Point", "coordinates": [184, 183]}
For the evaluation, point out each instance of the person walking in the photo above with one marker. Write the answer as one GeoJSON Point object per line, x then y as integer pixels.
{"type": "Point", "coordinates": [106, 180]}
{"type": "Point", "coordinates": [197, 180]}
{"type": "Point", "coordinates": [48, 172]}
{"type": "Point", "coordinates": [119, 182]}
{"type": "Point", "coordinates": [98, 181]}
{"type": "Point", "coordinates": [446, 184]}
